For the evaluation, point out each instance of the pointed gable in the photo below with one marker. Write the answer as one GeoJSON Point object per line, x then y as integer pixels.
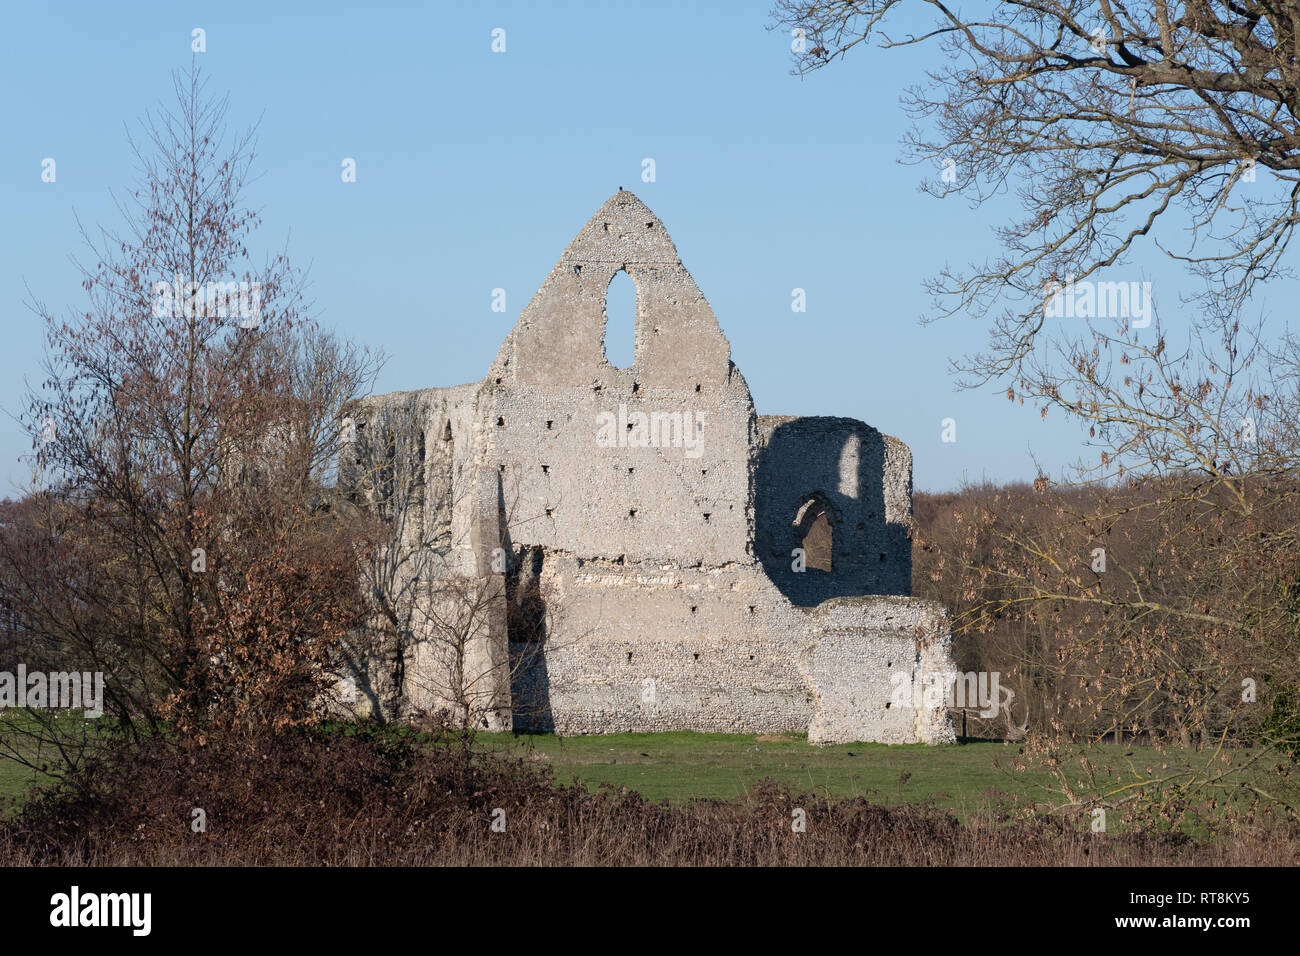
{"type": "Point", "coordinates": [624, 230]}
{"type": "Point", "coordinates": [559, 339]}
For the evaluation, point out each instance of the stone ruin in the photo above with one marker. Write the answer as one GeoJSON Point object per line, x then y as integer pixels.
{"type": "Point", "coordinates": [580, 548]}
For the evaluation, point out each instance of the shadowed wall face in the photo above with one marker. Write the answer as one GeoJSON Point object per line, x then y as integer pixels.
{"type": "Point", "coordinates": [841, 492]}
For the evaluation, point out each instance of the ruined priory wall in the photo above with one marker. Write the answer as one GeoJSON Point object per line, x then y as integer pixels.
{"type": "Point", "coordinates": [409, 458]}
{"type": "Point", "coordinates": [647, 512]}
{"type": "Point", "coordinates": [566, 487]}
{"type": "Point", "coordinates": [864, 477]}
{"type": "Point", "coordinates": [648, 462]}
{"type": "Point", "coordinates": [870, 662]}
{"type": "Point", "coordinates": [646, 648]}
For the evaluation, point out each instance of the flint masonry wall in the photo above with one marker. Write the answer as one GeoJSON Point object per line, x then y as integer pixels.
{"type": "Point", "coordinates": [648, 647]}
{"type": "Point", "coordinates": [571, 433]}
{"type": "Point", "coordinates": [408, 458]}
{"type": "Point", "coordinates": [865, 480]}
{"type": "Point", "coordinates": [871, 656]}
{"type": "Point", "coordinates": [653, 514]}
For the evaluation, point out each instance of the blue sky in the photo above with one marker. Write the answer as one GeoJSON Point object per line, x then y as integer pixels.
{"type": "Point", "coordinates": [475, 169]}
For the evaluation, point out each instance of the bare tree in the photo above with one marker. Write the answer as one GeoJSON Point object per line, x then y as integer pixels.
{"type": "Point", "coordinates": [181, 536]}
{"type": "Point", "coordinates": [1166, 579]}
{"type": "Point", "coordinates": [1105, 118]}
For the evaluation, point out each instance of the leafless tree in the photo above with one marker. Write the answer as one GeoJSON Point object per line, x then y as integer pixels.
{"type": "Point", "coordinates": [1171, 124]}
{"type": "Point", "coordinates": [1105, 118]}
{"type": "Point", "coordinates": [180, 536]}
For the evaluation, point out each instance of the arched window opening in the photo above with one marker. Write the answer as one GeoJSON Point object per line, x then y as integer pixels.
{"type": "Point", "coordinates": [620, 320]}
{"type": "Point", "coordinates": [814, 532]}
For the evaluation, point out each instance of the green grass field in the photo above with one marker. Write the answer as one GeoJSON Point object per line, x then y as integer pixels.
{"type": "Point", "coordinates": [15, 779]}
{"type": "Point", "coordinates": [681, 766]}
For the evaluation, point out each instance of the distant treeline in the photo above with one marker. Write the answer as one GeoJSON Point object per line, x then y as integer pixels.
{"type": "Point", "coordinates": [1149, 610]}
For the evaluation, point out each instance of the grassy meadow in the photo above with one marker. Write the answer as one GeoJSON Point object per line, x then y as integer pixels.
{"type": "Point", "coordinates": [963, 777]}
{"type": "Point", "coordinates": [681, 766]}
